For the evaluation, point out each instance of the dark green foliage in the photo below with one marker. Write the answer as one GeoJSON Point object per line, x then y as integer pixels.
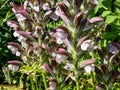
{"type": "Point", "coordinates": [110, 11]}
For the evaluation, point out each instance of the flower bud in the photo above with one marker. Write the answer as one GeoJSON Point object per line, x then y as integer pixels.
{"type": "Point", "coordinates": [13, 24]}
{"type": "Point", "coordinates": [114, 48]}
{"type": "Point", "coordinates": [87, 45]}
{"type": "Point", "coordinates": [46, 6]}
{"type": "Point", "coordinates": [36, 6]}
{"type": "Point", "coordinates": [61, 58]}
{"type": "Point", "coordinates": [77, 19]}
{"type": "Point", "coordinates": [87, 63]}
{"type": "Point", "coordinates": [96, 19]}
{"type": "Point", "coordinates": [89, 68]}
{"type": "Point", "coordinates": [52, 84]}
{"type": "Point", "coordinates": [14, 65]}
{"type": "Point", "coordinates": [47, 68]}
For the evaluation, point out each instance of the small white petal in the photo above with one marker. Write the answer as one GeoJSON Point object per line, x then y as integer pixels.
{"type": "Point", "coordinates": [59, 41]}
{"type": "Point", "coordinates": [60, 58]}
{"type": "Point", "coordinates": [21, 38]}
{"type": "Point", "coordinates": [46, 6]}
{"type": "Point", "coordinates": [54, 54]}
{"type": "Point", "coordinates": [36, 8]}
{"type": "Point", "coordinates": [9, 46]}
{"type": "Point", "coordinates": [15, 34]}
{"type": "Point", "coordinates": [13, 67]}
{"type": "Point", "coordinates": [14, 49]}
{"type": "Point", "coordinates": [52, 85]}
{"type": "Point", "coordinates": [20, 17]}
{"type": "Point", "coordinates": [105, 62]}
{"type": "Point", "coordinates": [17, 53]}
{"type": "Point", "coordinates": [85, 45]}
{"type": "Point", "coordinates": [89, 68]}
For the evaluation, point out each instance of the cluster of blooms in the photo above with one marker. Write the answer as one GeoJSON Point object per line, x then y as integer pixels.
{"type": "Point", "coordinates": [64, 45]}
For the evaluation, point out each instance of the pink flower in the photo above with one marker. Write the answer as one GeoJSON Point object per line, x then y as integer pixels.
{"type": "Point", "coordinates": [60, 36]}
{"type": "Point", "coordinates": [60, 58]}
{"type": "Point", "coordinates": [14, 65]}
{"type": "Point", "coordinates": [13, 24]}
{"type": "Point", "coordinates": [89, 68]}
{"type": "Point", "coordinates": [114, 48]}
{"type": "Point", "coordinates": [21, 12]}
{"type": "Point", "coordinates": [88, 65]}
{"type": "Point", "coordinates": [51, 14]}
{"type": "Point", "coordinates": [54, 16]}
{"type": "Point", "coordinates": [96, 19]}
{"type": "Point", "coordinates": [37, 50]}
{"type": "Point", "coordinates": [52, 83]}
{"type": "Point", "coordinates": [87, 45]}
{"type": "Point", "coordinates": [36, 6]}
{"type": "Point", "coordinates": [46, 6]}
{"type": "Point", "coordinates": [15, 48]}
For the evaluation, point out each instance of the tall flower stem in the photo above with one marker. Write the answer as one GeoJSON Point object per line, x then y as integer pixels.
{"type": "Point", "coordinates": [77, 79]}
{"type": "Point", "coordinates": [43, 74]}
{"type": "Point", "coordinates": [44, 81]}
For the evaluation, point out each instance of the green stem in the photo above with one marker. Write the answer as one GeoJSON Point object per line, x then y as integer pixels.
{"type": "Point", "coordinates": [44, 81]}
{"type": "Point", "coordinates": [32, 82]}
{"type": "Point", "coordinates": [77, 84]}
{"type": "Point", "coordinates": [4, 4]}
{"type": "Point", "coordinates": [43, 75]}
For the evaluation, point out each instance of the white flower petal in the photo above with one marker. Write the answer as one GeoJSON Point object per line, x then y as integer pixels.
{"type": "Point", "coordinates": [46, 6]}
{"type": "Point", "coordinates": [9, 46]}
{"type": "Point", "coordinates": [36, 8]}
{"type": "Point", "coordinates": [52, 85]}
{"type": "Point", "coordinates": [59, 41]}
{"type": "Point", "coordinates": [14, 49]}
{"type": "Point", "coordinates": [15, 34]}
{"type": "Point", "coordinates": [13, 67]}
{"type": "Point", "coordinates": [85, 45]}
{"type": "Point", "coordinates": [21, 38]}
{"type": "Point", "coordinates": [17, 53]}
{"type": "Point", "coordinates": [20, 17]}
{"type": "Point", "coordinates": [60, 58]}
{"type": "Point", "coordinates": [89, 68]}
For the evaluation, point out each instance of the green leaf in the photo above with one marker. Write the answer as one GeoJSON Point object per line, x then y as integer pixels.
{"type": "Point", "coordinates": [110, 19]}
{"type": "Point", "coordinates": [103, 5]}
{"type": "Point", "coordinates": [116, 22]}
{"type": "Point", "coordinates": [105, 13]}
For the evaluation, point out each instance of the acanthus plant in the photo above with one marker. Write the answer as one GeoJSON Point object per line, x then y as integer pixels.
{"type": "Point", "coordinates": [64, 52]}
{"type": "Point", "coordinates": [107, 72]}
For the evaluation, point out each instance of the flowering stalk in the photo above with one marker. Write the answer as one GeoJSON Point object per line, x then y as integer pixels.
{"type": "Point", "coordinates": [64, 52]}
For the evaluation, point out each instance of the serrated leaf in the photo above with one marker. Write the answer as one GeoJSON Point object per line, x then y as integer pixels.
{"type": "Point", "coordinates": [105, 13]}
{"type": "Point", "coordinates": [117, 3]}
{"type": "Point", "coordinates": [116, 22]}
{"type": "Point", "coordinates": [110, 19]}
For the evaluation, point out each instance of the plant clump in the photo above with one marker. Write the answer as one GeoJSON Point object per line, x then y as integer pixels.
{"type": "Point", "coordinates": [63, 57]}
